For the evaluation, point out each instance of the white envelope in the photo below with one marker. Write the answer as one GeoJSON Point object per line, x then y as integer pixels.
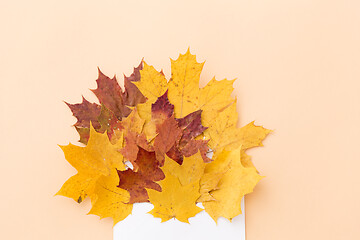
{"type": "Point", "coordinates": [141, 225]}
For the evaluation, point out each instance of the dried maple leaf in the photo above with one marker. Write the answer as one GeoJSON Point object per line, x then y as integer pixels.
{"type": "Point", "coordinates": [175, 200]}
{"type": "Point", "coordinates": [109, 200]}
{"type": "Point", "coordinates": [106, 122]}
{"type": "Point", "coordinates": [132, 96]}
{"type": "Point", "coordinates": [190, 127]}
{"type": "Point", "coordinates": [84, 113]}
{"type": "Point", "coordinates": [133, 122]}
{"type": "Point", "coordinates": [213, 173]}
{"type": "Point", "coordinates": [236, 181]}
{"type": "Point", "coordinates": [134, 141]}
{"type": "Point", "coordinates": [184, 84]}
{"type": "Point", "coordinates": [187, 145]}
{"type": "Point", "coordinates": [148, 172]}
{"type": "Point", "coordinates": [110, 94]}
{"type": "Point", "coordinates": [191, 170]}
{"type": "Point", "coordinates": [161, 110]}
{"type": "Point", "coordinates": [152, 84]}
{"type": "Point", "coordinates": [224, 134]}
{"type": "Point", "coordinates": [84, 134]}
{"type": "Point", "coordinates": [168, 134]}
{"type": "Point", "coordinates": [79, 186]}
{"type": "Point", "coordinates": [91, 162]}
{"type": "Point", "coordinates": [110, 124]}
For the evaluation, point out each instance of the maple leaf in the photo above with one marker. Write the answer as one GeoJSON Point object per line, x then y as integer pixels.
{"type": "Point", "coordinates": [152, 84]}
{"type": "Point", "coordinates": [132, 95]}
{"type": "Point", "coordinates": [190, 127]}
{"type": "Point", "coordinates": [190, 171]}
{"type": "Point", "coordinates": [176, 200]}
{"type": "Point", "coordinates": [184, 84]}
{"type": "Point", "coordinates": [214, 98]}
{"type": "Point", "coordinates": [110, 201]}
{"type": "Point", "coordinates": [185, 94]}
{"type": "Point", "coordinates": [187, 145]}
{"type": "Point", "coordinates": [168, 134]}
{"type": "Point", "coordinates": [106, 122]}
{"type": "Point", "coordinates": [78, 187]}
{"type": "Point", "coordinates": [84, 134]}
{"type": "Point", "coordinates": [236, 181]}
{"type": "Point", "coordinates": [148, 172]}
{"type": "Point", "coordinates": [110, 94]}
{"type": "Point", "coordinates": [85, 112]}
{"type": "Point", "coordinates": [162, 109]}
{"type": "Point", "coordinates": [224, 134]}
{"type": "Point", "coordinates": [133, 122]}
{"type": "Point", "coordinates": [110, 124]}
{"type": "Point", "coordinates": [134, 141]}
{"type": "Point", "coordinates": [91, 162]}
{"type": "Point", "coordinates": [213, 173]}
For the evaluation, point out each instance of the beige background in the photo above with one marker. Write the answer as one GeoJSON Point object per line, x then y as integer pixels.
{"type": "Point", "coordinates": [298, 69]}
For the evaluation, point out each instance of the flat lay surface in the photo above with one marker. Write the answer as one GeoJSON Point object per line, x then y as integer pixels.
{"type": "Point", "coordinates": [297, 65]}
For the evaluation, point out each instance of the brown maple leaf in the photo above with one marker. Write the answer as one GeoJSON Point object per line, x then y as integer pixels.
{"type": "Point", "coordinates": [185, 144]}
{"type": "Point", "coordinates": [105, 121]}
{"type": "Point", "coordinates": [132, 95]}
{"type": "Point", "coordinates": [162, 109]}
{"type": "Point", "coordinates": [85, 112]}
{"type": "Point", "coordinates": [168, 134]}
{"type": "Point", "coordinates": [134, 141]}
{"type": "Point", "coordinates": [110, 94]}
{"type": "Point", "coordinates": [109, 122]}
{"type": "Point", "coordinates": [148, 173]}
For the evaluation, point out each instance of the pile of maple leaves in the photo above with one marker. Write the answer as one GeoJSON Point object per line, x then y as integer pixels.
{"type": "Point", "coordinates": [165, 142]}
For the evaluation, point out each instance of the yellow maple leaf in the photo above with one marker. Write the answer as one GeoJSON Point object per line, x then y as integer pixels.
{"type": "Point", "coordinates": [153, 84]}
{"type": "Point", "coordinates": [78, 187]}
{"type": "Point", "coordinates": [213, 173]}
{"type": "Point", "coordinates": [215, 97]}
{"type": "Point", "coordinates": [185, 94]}
{"type": "Point", "coordinates": [223, 131]}
{"type": "Point", "coordinates": [94, 160]}
{"type": "Point", "coordinates": [109, 200]}
{"type": "Point", "coordinates": [236, 182]}
{"type": "Point", "coordinates": [224, 134]}
{"type": "Point", "coordinates": [133, 122]}
{"type": "Point", "coordinates": [189, 171]}
{"type": "Point", "coordinates": [175, 200]}
{"type": "Point", "coordinates": [184, 84]}
{"type": "Point", "coordinates": [252, 136]}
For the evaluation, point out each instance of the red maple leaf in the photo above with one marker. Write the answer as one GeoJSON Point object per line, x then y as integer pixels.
{"type": "Point", "coordinates": [148, 173]}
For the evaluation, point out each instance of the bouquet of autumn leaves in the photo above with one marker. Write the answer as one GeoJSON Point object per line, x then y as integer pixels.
{"type": "Point", "coordinates": [169, 143]}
